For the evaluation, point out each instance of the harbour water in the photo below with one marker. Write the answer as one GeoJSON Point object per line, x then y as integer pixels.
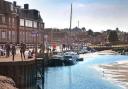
{"type": "Point", "coordinates": [83, 75]}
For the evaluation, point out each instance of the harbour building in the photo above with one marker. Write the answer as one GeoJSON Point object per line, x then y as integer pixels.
{"type": "Point", "coordinates": [19, 24]}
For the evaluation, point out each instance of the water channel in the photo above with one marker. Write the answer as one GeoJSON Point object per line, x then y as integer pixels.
{"type": "Point", "coordinates": [83, 75]}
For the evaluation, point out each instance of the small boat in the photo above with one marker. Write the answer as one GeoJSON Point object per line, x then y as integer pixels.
{"type": "Point", "coordinates": [69, 60]}
{"type": "Point", "coordinates": [84, 50]}
{"type": "Point", "coordinates": [56, 60]}
{"type": "Point", "coordinates": [74, 56]}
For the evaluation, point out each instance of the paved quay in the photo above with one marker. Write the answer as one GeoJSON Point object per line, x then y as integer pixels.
{"type": "Point", "coordinates": [16, 58]}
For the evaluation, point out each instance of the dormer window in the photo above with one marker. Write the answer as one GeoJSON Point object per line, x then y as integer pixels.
{"type": "Point", "coordinates": [12, 7]}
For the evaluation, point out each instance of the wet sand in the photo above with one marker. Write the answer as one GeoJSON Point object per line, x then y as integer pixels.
{"type": "Point", "coordinates": [116, 72]}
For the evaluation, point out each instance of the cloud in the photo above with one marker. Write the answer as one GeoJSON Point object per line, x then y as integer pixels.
{"type": "Point", "coordinates": [100, 10]}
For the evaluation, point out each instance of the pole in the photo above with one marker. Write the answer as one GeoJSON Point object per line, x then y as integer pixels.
{"type": "Point", "coordinates": [70, 27]}
{"type": "Point", "coordinates": [70, 18]}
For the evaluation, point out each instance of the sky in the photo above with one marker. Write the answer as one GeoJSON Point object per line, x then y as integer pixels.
{"type": "Point", "coordinates": [98, 15]}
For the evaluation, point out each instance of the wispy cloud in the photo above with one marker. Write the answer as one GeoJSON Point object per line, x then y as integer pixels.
{"type": "Point", "coordinates": [102, 10]}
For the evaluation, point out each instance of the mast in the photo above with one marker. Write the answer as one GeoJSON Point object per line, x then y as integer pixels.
{"type": "Point", "coordinates": [70, 33]}
{"type": "Point", "coordinates": [70, 18]}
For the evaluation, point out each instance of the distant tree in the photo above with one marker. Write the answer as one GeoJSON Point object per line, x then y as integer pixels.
{"type": "Point", "coordinates": [113, 37]}
{"type": "Point", "coordinates": [90, 32]}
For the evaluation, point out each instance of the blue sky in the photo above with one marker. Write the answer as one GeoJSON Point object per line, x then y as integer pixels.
{"type": "Point", "coordinates": [97, 15]}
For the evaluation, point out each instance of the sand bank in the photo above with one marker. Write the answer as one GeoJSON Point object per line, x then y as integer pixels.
{"type": "Point", "coordinates": [116, 72]}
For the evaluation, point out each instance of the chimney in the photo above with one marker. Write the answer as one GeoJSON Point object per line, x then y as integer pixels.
{"type": "Point", "coordinates": [14, 3]}
{"type": "Point", "coordinates": [26, 6]}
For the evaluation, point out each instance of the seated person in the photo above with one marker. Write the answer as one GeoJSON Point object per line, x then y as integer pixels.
{"type": "Point", "coordinates": [29, 54]}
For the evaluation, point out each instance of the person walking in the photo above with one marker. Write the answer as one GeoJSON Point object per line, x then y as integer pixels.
{"type": "Point", "coordinates": [13, 51]}
{"type": "Point", "coordinates": [22, 50]}
{"type": "Point", "coordinates": [7, 48]}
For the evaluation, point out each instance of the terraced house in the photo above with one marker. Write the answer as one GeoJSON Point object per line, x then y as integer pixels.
{"type": "Point", "coordinates": [20, 24]}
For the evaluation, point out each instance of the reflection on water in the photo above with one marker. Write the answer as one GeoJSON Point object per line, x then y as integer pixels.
{"type": "Point", "coordinates": [82, 75]}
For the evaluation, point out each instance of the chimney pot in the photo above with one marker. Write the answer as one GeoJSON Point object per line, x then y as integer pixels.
{"type": "Point", "coordinates": [26, 6]}
{"type": "Point", "coordinates": [14, 3]}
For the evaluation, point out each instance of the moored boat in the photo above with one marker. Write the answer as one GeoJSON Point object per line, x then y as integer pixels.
{"type": "Point", "coordinates": [69, 60]}
{"type": "Point", "coordinates": [56, 60]}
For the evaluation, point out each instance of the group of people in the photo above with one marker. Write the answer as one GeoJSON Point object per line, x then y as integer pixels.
{"type": "Point", "coordinates": [11, 48]}
{"type": "Point", "coordinates": [7, 49]}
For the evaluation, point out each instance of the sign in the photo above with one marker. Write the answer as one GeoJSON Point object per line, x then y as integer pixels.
{"type": "Point", "coordinates": [53, 45]}
{"type": "Point", "coordinates": [34, 34]}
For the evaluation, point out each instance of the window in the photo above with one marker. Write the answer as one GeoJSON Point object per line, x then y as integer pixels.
{"type": "Point", "coordinates": [10, 35]}
{"type": "Point", "coordinates": [13, 20]}
{"type": "Point", "coordinates": [0, 35]}
{"type": "Point", "coordinates": [16, 10]}
{"type": "Point", "coordinates": [42, 25]}
{"type": "Point", "coordinates": [27, 36]}
{"type": "Point", "coordinates": [35, 24]}
{"type": "Point", "coordinates": [3, 35]}
{"type": "Point", "coordinates": [21, 22]}
{"type": "Point", "coordinates": [3, 19]}
{"type": "Point", "coordinates": [21, 36]}
{"type": "Point", "coordinates": [28, 23]}
{"type": "Point", "coordinates": [11, 7]}
{"type": "Point", "coordinates": [0, 18]}
{"type": "Point", "coordinates": [9, 20]}
{"type": "Point", "coordinates": [13, 35]}
{"type": "Point", "coordinates": [30, 37]}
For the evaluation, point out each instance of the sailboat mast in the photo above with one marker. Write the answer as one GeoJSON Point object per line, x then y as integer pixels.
{"type": "Point", "coordinates": [70, 18]}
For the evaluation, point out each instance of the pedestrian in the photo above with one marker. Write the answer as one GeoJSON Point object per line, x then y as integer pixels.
{"type": "Point", "coordinates": [13, 51]}
{"type": "Point", "coordinates": [29, 54]}
{"type": "Point", "coordinates": [7, 48]}
{"type": "Point", "coordinates": [22, 50]}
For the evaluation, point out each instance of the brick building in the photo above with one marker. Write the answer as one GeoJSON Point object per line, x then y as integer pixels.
{"type": "Point", "coordinates": [123, 37]}
{"type": "Point", "coordinates": [56, 36]}
{"type": "Point", "coordinates": [19, 24]}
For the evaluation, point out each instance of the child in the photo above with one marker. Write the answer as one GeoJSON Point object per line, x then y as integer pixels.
{"type": "Point", "coordinates": [29, 54]}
